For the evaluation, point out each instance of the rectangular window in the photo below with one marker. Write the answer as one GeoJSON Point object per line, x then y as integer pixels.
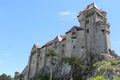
{"type": "Point", "coordinates": [63, 45]}
{"type": "Point", "coordinates": [73, 47]}
{"type": "Point", "coordinates": [73, 37]}
{"type": "Point", "coordinates": [87, 30]}
{"type": "Point", "coordinates": [73, 33]}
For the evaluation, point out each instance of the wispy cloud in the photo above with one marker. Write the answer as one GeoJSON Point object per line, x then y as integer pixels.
{"type": "Point", "coordinates": [68, 16]}
{"type": "Point", "coordinates": [4, 53]}
{"type": "Point", "coordinates": [64, 13]}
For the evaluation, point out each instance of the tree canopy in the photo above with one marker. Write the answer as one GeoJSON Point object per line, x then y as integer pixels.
{"type": "Point", "coordinates": [52, 54]}
{"type": "Point", "coordinates": [5, 77]}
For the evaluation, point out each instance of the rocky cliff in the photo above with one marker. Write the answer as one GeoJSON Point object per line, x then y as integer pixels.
{"type": "Point", "coordinates": [74, 68]}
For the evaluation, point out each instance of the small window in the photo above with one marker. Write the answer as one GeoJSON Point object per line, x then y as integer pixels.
{"type": "Point", "coordinates": [72, 40]}
{"type": "Point", "coordinates": [73, 47]}
{"type": "Point", "coordinates": [73, 37]}
{"type": "Point", "coordinates": [73, 33]}
{"type": "Point", "coordinates": [55, 42]}
{"type": "Point", "coordinates": [102, 30]}
{"type": "Point", "coordinates": [82, 47]}
{"type": "Point", "coordinates": [87, 30]}
{"type": "Point", "coordinates": [62, 51]}
{"type": "Point", "coordinates": [63, 45]}
{"type": "Point", "coordinates": [109, 50]}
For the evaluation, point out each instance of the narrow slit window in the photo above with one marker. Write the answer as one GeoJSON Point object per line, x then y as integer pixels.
{"type": "Point", "coordinates": [87, 30]}
{"type": "Point", "coordinates": [73, 47]}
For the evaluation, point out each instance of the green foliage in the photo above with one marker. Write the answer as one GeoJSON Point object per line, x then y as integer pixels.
{"type": "Point", "coordinates": [103, 65]}
{"type": "Point", "coordinates": [44, 77]}
{"type": "Point", "coordinates": [99, 63]}
{"type": "Point", "coordinates": [53, 55]}
{"type": "Point", "coordinates": [76, 66]}
{"type": "Point", "coordinates": [97, 78]}
{"type": "Point", "coordinates": [73, 60]}
{"type": "Point", "coordinates": [117, 78]}
{"type": "Point", "coordinates": [115, 62]}
{"type": "Point", "coordinates": [66, 59]}
{"type": "Point", "coordinates": [5, 77]}
{"type": "Point", "coordinates": [106, 64]}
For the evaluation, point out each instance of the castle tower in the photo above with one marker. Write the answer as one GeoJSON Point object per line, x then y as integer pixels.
{"type": "Point", "coordinates": [96, 29]}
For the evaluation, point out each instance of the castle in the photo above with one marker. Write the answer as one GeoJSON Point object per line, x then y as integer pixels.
{"type": "Point", "coordinates": [92, 36]}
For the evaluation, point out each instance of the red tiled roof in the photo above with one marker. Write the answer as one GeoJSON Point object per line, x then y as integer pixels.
{"type": "Point", "coordinates": [48, 43]}
{"type": "Point", "coordinates": [77, 29]}
{"type": "Point", "coordinates": [51, 42]}
{"type": "Point", "coordinates": [64, 39]}
{"type": "Point", "coordinates": [93, 5]}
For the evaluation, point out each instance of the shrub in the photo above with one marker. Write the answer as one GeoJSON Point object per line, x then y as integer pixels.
{"type": "Point", "coordinates": [97, 78]}
{"type": "Point", "coordinates": [41, 77]}
{"type": "Point", "coordinates": [117, 78]}
{"type": "Point", "coordinates": [114, 62]}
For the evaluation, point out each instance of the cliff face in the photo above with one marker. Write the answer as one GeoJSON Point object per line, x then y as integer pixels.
{"type": "Point", "coordinates": [106, 65]}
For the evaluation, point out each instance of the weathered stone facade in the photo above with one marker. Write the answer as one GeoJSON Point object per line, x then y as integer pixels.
{"type": "Point", "coordinates": [92, 36]}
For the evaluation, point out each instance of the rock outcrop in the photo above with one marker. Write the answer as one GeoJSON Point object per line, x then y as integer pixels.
{"type": "Point", "coordinates": [92, 65]}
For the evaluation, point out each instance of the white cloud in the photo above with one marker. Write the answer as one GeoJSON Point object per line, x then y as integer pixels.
{"type": "Point", "coordinates": [4, 53]}
{"type": "Point", "coordinates": [64, 13]}
{"type": "Point", "coordinates": [70, 16]}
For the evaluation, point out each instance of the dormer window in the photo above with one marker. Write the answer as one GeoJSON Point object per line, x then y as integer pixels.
{"type": "Point", "coordinates": [73, 33]}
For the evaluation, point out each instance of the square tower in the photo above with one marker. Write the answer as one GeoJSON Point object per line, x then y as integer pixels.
{"type": "Point", "coordinates": [96, 29]}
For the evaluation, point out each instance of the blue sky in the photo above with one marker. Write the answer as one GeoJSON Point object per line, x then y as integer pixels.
{"type": "Point", "coordinates": [25, 22]}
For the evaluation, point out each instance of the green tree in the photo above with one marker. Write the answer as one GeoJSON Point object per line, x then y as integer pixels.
{"type": "Point", "coordinates": [76, 66]}
{"type": "Point", "coordinates": [5, 77]}
{"type": "Point", "coordinates": [98, 78]}
{"type": "Point", "coordinates": [53, 55]}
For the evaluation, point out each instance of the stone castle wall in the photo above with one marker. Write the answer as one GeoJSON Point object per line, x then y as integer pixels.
{"type": "Point", "coordinates": [93, 36]}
